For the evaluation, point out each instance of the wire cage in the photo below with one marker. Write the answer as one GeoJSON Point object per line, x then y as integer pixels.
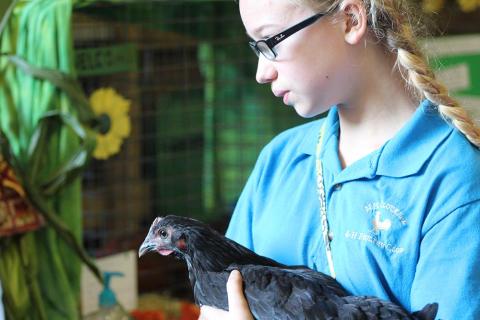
{"type": "Point", "coordinates": [198, 119]}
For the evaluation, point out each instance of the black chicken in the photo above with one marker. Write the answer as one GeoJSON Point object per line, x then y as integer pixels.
{"type": "Point", "coordinates": [273, 290]}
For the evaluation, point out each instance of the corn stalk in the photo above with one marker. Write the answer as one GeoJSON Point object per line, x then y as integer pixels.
{"type": "Point", "coordinates": [46, 136]}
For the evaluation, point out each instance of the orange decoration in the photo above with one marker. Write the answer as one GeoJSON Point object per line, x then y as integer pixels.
{"type": "Point", "coordinates": [188, 311]}
{"type": "Point", "coordinates": [147, 315]}
{"type": "Point", "coordinates": [16, 214]}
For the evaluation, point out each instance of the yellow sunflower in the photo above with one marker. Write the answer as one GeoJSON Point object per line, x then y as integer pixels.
{"type": "Point", "coordinates": [114, 123]}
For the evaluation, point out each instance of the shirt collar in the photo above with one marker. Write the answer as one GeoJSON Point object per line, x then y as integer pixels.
{"type": "Point", "coordinates": [309, 143]}
{"type": "Point", "coordinates": [403, 155]}
{"type": "Point", "coordinates": [414, 144]}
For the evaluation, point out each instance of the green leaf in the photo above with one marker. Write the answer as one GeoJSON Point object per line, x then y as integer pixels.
{"type": "Point", "coordinates": [12, 116]}
{"type": "Point", "coordinates": [62, 230]}
{"type": "Point", "coordinates": [62, 81]}
{"type": "Point", "coordinates": [67, 171]}
{"type": "Point", "coordinates": [73, 123]}
{"type": "Point", "coordinates": [7, 153]}
{"type": "Point", "coordinates": [25, 250]}
{"type": "Point", "coordinates": [43, 207]}
{"type": "Point", "coordinates": [15, 294]}
{"type": "Point", "coordinates": [6, 16]}
{"type": "Point", "coordinates": [35, 150]}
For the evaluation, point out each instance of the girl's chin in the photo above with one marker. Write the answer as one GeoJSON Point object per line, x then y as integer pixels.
{"type": "Point", "coordinates": [305, 112]}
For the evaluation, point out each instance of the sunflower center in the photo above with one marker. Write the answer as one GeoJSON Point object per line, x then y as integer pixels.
{"type": "Point", "coordinates": [104, 123]}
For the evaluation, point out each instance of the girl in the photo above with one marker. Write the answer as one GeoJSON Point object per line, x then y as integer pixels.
{"type": "Point", "coordinates": [383, 194]}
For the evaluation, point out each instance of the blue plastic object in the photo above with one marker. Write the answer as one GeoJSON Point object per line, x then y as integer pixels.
{"type": "Point", "coordinates": [107, 297]}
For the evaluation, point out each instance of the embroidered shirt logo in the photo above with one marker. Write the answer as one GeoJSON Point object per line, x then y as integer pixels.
{"type": "Point", "coordinates": [385, 221]}
{"type": "Point", "coordinates": [381, 224]}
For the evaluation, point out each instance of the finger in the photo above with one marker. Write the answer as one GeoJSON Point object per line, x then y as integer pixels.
{"type": "Point", "coordinates": [210, 313]}
{"type": "Point", "coordinates": [237, 304]}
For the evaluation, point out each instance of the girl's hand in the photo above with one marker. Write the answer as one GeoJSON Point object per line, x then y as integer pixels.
{"type": "Point", "coordinates": [237, 304]}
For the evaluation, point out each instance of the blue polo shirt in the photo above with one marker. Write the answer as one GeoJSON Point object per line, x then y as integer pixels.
{"type": "Point", "coordinates": [405, 219]}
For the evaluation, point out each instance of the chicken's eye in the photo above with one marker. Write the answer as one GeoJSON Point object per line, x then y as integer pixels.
{"type": "Point", "coordinates": [163, 233]}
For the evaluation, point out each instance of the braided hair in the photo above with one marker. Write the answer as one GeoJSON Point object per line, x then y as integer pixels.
{"type": "Point", "coordinates": [390, 21]}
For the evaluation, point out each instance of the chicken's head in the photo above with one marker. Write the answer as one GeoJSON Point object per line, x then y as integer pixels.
{"type": "Point", "coordinates": [167, 235]}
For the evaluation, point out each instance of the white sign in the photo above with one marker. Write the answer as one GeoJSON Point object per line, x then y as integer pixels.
{"type": "Point", "coordinates": [125, 288]}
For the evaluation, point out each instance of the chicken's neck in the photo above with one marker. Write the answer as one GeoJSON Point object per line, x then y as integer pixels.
{"type": "Point", "coordinates": [214, 252]}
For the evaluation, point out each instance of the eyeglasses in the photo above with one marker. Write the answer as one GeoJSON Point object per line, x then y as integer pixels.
{"type": "Point", "coordinates": [266, 46]}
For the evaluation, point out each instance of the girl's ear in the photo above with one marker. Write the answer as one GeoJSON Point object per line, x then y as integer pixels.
{"type": "Point", "coordinates": [355, 21]}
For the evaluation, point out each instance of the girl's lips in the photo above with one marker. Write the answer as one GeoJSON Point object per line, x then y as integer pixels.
{"type": "Point", "coordinates": [285, 98]}
{"type": "Point", "coordinates": [281, 94]}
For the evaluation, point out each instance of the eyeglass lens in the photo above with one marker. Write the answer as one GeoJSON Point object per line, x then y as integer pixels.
{"type": "Point", "coordinates": [261, 47]}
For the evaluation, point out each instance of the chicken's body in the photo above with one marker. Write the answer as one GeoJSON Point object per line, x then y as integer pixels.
{"type": "Point", "coordinates": [273, 290]}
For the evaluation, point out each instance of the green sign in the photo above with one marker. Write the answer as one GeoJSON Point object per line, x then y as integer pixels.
{"type": "Point", "coordinates": [456, 60]}
{"type": "Point", "coordinates": [458, 56]}
{"type": "Point", "coordinates": [106, 60]}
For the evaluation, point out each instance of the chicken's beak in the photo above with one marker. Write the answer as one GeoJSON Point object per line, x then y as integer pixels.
{"type": "Point", "coordinates": [147, 245]}
{"type": "Point", "coordinates": [150, 243]}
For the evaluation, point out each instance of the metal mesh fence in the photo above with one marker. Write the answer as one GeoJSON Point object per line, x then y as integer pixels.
{"type": "Point", "coordinates": [198, 118]}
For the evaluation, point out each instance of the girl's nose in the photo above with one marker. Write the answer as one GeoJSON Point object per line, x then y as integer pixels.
{"type": "Point", "coordinates": [266, 71]}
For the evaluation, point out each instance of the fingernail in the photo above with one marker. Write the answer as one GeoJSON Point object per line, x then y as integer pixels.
{"type": "Point", "coordinates": [234, 274]}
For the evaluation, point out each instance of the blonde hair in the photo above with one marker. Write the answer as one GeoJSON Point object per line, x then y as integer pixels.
{"type": "Point", "coordinates": [391, 23]}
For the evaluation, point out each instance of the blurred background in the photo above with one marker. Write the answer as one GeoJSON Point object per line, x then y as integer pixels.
{"type": "Point", "coordinates": [182, 121]}
{"type": "Point", "coordinates": [197, 125]}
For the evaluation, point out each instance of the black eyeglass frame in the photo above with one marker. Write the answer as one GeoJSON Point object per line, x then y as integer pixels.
{"type": "Point", "coordinates": [261, 45]}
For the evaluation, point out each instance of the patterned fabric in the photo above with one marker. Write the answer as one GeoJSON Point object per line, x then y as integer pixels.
{"type": "Point", "coordinates": [16, 214]}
